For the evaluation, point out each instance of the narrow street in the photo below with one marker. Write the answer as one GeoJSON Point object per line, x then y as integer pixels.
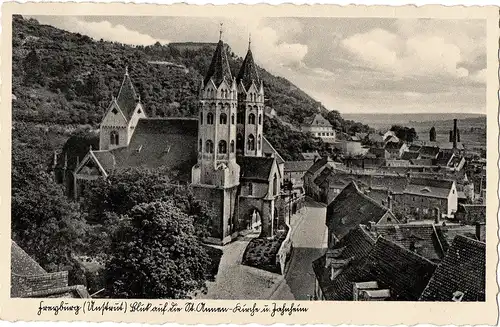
{"type": "Point", "coordinates": [235, 281]}
{"type": "Point", "coordinates": [309, 244]}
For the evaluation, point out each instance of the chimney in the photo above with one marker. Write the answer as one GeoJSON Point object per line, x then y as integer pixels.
{"type": "Point", "coordinates": [478, 231]}
{"type": "Point", "coordinates": [389, 201]}
{"type": "Point", "coordinates": [438, 215]}
{"type": "Point", "coordinates": [454, 133]}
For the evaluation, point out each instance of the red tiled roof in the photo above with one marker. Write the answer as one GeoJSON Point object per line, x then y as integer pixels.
{"type": "Point", "coordinates": [463, 269]}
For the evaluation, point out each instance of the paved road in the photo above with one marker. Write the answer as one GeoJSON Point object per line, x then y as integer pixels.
{"type": "Point", "coordinates": [309, 244]}
{"type": "Point", "coordinates": [235, 281]}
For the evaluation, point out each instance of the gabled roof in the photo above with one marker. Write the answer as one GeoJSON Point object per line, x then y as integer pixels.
{"type": "Point", "coordinates": [297, 166]}
{"type": "Point", "coordinates": [431, 151]}
{"type": "Point", "coordinates": [414, 147]}
{"type": "Point", "coordinates": [443, 158]}
{"type": "Point", "coordinates": [161, 142]}
{"type": "Point", "coordinates": [393, 146]}
{"type": "Point", "coordinates": [127, 98]}
{"type": "Point", "coordinates": [401, 271]}
{"type": "Point", "coordinates": [219, 68]}
{"type": "Point", "coordinates": [106, 159]}
{"type": "Point", "coordinates": [248, 72]}
{"type": "Point", "coordinates": [351, 208]}
{"type": "Point", "coordinates": [318, 165]}
{"type": "Point", "coordinates": [317, 120]}
{"type": "Point", "coordinates": [22, 264]}
{"type": "Point", "coordinates": [355, 246]}
{"type": "Point", "coordinates": [408, 155]}
{"type": "Point", "coordinates": [429, 187]}
{"type": "Point", "coordinates": [267, 148]}
{"type": "Point", "coordinates": [310, 155]}
{"type": "Point", "coordinates": [255, 168]}
{"type": "Point", "coordinates": [420, 238]}
{"type": "Point", "coordinates": [377, 138]}
{"type": "Point", "coordinates": [323, 176]}
{"type": "Point", "coordinates": [463, 269]}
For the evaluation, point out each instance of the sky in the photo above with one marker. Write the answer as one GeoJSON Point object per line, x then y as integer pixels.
{"type": "Point", "coordinates": [353, 65]}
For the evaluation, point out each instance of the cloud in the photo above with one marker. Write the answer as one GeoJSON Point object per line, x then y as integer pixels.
{"type": "Point", "coordinates": [419, 55]}
{"type": "Point", "coordinates": [105, 30]}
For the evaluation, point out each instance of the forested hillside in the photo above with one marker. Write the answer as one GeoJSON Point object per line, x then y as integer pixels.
{"type": "Point", "coordinates": [67, 78]}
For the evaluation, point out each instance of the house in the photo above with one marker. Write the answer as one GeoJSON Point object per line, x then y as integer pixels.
{"type": "Point", "coordinates": [377, 153]}
{"type": "Point", "coordinates": [389, 271]}
{"type": "Point", "coordinates": [461, 275]}
{"type": "Point", "coordinates": [295, 170]}
{"type": "Point", "coordinates": [376, 140]}
{"type": "Point", "coordinates": [429, 198]}
{"type": "Point", "coordinates": [395, 150]}
{"type": "Point", "coordinates": [390, 137]}
{"type": "Point", "coordinates": [314, 172]}
{"type": "Point", "coordinates": [30, 280]}
{"type": "Point", "coordinates": [410, 155]}
{"type": "Point", "coordinates": [429, 152]}
{"type": "Point", "coordinates": [318, 126]}
{"type": "Point", "coordinates": [311, 156]}
{"type": "Point", "coordinates": [351, 208]}
{"type": "Point", "coordinates": [471, 213]}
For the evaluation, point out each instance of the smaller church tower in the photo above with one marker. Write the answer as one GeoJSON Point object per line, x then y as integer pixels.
{"type": "Point", "coordinates": [120, 120]}
{"type": "Point", "coordinates": [250, 108]}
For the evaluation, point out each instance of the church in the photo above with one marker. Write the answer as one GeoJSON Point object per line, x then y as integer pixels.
{"type": "Point", "coordinates": [222, 153]}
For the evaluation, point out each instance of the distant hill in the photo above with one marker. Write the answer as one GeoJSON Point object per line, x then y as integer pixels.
{"type": "Point", "coordinates": [63, 78]}
{"type": "Point", "coordinates": [69, 78]}
{"type": "Point", "coordinates": [385, 121]}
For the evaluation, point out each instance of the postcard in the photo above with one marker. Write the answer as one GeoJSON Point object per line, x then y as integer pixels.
{"type": "Point", "coordinates": [249, 164]}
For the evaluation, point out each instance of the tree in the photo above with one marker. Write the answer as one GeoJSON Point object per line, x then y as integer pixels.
{"type": "Point", "coordinates": [405, 133]}
{"type": "Point", "coordinates": [156, 254]}
{"type": "Point", "coordinates": [104, 200]}
{"type": "Point", "coordinates": [44, 222]}
{"type": "Point", "coordinates": [432, 134]}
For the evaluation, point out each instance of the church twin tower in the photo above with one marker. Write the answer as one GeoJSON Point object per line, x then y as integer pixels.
{"type": "Point", "coordinates": [231, 119]}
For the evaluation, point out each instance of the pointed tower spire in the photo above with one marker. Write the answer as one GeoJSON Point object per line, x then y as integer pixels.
{"type": "Point", "coordinates": [219, 68]}
{"type": "Point", "coordinates": [248, 71]}
{"type": "Point", "coordinates": [249, 40]}
{"type": "Point", "coordinates": [127, 97]}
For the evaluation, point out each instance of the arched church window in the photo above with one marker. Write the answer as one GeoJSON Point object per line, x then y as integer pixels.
{"type": "Point", "coordinates": [239, 142]}
{"type": "Point", "coordinates": [222, 146]}
{"type": "Point", "coordinates": [223, 119]}
{"type": "Point", "coordinates": [114, 138]}
{"type": "Point", "coordinates": [210, 118]}
{"type": "Point", "coordinates": [260, 119]}
{"type": "Point", "coordinates": [232, 119]}
{"type": "Point", "coordinates": [232, 146]}
{"type": "Point", "coordinates": [251, 119]}
{"type": "Point", "coordinates": [259, 141]}
{"type": "Point", "coordinates": [201, 118]}
{"type": "Point", "coordinates": [200, 146]}
{"type": "Point", "coordinates": [251, 142]}
{"type": "Point", "coordinates": [209, 146]}
{"type": "Point", "coordinates": [275, 185]}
